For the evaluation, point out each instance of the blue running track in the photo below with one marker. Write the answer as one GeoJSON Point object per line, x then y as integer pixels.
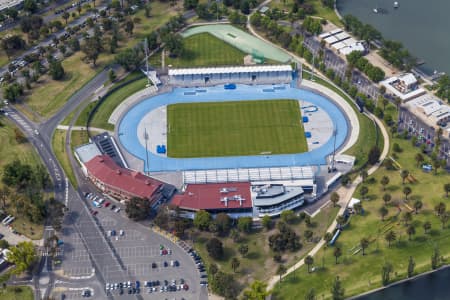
{"type": "Point", "coordinates": [129, 139]}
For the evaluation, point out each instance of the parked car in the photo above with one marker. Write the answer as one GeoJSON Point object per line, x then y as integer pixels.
{"type": "Point", "coordinates": [107, 204]}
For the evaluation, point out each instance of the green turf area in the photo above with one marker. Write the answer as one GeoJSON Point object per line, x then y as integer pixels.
{"type": "Point", "coordinates": [206, 50]}
{"type": "Point", "coordinates": [319, 9]}
{"type": "Point", "coordinates": [58, 145]}
{"type": "Point", "coordinates": [16, 293]}
{"type": "Point", "coordinates": [235, 128]}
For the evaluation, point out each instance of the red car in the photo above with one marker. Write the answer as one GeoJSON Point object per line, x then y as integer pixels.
{"type": "Point", "coordinates": [94, 213]}
{"type": "Point", "coordinates": [107, 204]}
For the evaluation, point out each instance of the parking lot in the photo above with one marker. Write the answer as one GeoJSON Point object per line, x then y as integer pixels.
{"type": "Point", "coordinates": [157, 267]}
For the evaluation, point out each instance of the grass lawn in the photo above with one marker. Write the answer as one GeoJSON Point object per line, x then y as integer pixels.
{"type": "Point", "coordinates": [101, 116]}
{"type": "Point", "coordinates": [360, 273]}
{"type": "Point", "coordinates": [78, 138]}
{"type": "Point", "coordinates": [50, 95]}
{"type": "Point", "coordinates": [206, 50]}
{"type": "Point", "coordinates": [16, 293]}
{"type": "Point", "coordinates": [235, 128]}
{"type": "Point", "coordinates": [319, 9]}
{"type": "Point", "coordinates": [258, 264]}
{"type": "Point", "coordinates": [58, 145]}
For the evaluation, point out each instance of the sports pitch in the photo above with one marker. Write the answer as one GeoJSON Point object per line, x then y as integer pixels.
{"type": "Point", "coordinates": [235, 128]}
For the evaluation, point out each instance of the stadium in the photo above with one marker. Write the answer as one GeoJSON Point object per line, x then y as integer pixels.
{"type": "Point", "coordinates": [246, 140]}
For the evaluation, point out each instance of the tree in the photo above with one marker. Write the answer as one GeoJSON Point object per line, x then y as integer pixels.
{"type": "Point", "coordinates": [406, 191]}
{"type": "Point", "coordinates": [407, 217]}
{"type": "Point", "coordinates": [386, 271]}
{"type": "Point", "coordinates": [92, 48]}
{"type": "Point", "coordinates": [245, 224]}
{"type": "Point", "coordinates": [364, 243]}
{"type": "Point", "coordinates": [288, 216]}
{"type": "Point", "coordinates": [435, 259]}
{"type": "Point", "coordinates": [129, 26]}
{"type": "Point", "coordinates": [11, 43]}
{"type": "Point", "coordinates": [345, 179]}
{"type": "Point", "coordinates": [129, 58]}
{"type": "Point", "coordinates": [257, 291]}
{"type": "Point", "coordinates": [66, 16]}
{"type": "Point", "coordinates": [174, 44]}
{"type": "Point", "coordinates": [202, 220]}
{"type": "Point", "coordinates": [328, 237]}
{"type": "Point", "coordinates": [411, 265]}
{"type": "Point", "coordinates": [334, 198]}
{"type": "Point", "coordinates": [383, 211]}
{"type": "Point", "coordinates": [266, 222]}
{"type": "Point", "coordinates": [243, 249]}
{"type": "Point", "coordinates": [419, 159]}
{"type": "Point", "coordinates": [374, 155]}
{"type": "Point", "coordinates": [235, 264]}
{"type": "Point", "coordinates": [308, 234]}
{"type": "Point", "coordinates": [12, 91]}
{"type": "Point", "coordinates": [112, 75]}
{"type": "Point", "coordinates": [426, 226]}
{"type": "Point", "coordinates": [23, 255]}
{"type": "Point", "coordinates": [56, 70]}
{"type": "Point", "coordinates": [309, 261]}
{"type": "Point", "coordinates": [411, 230]}
{"type": "Point", "coordinates": [363, 174]}
{"type": "Point", "coordinates": [340, 220]}
{"type": "Point", "coordinates": [337, 253]}
{"type": "Point", "coordinates": [215, 248]}
{"type": "Point", "coordinates": [446, 189]}
{"type": "Point", "coordinates": [444, 219]}
{"type": "Point", "coordinates": [137, 209]}
{"type": "Point", "coordinates": [224, 285]}
{"type": "Point", "coordinates": [404, 174]}
{"type": "Point", "coordinates": [223, 222]}
{"type": "Point", "coordinates": [384, 182]}
{"type": "Point", "coordinates": [417, 206]}
{"type": "Point", "coordinates": [30, 6]}
{"type": "Point", "coordinates": [311, 295]}
{"type": "Point", "coordinates": [281, 270]}
{"type": "Point", "coordinates": [364, 191]}
{"type": "Point", "coordinates": [440, 208]}
{"type": "Point", "coordinates": [245, 7]}
{"type": "Point", "coordinates": [390, 237]}
{"type": "Point", "coordinates": [386, 198]}
{"type": "Point", "coordinates": [337, 291]}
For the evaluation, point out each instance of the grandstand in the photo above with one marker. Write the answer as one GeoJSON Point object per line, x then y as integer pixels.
{"type": "Point", "coordinates": [261, 74]}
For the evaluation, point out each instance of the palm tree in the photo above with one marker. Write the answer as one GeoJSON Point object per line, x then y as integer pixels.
{"type": "Point", "coordinates": [417, 206]}
{"type": "Point", "coordinates": [309, 261]}
{"type": "Point", "coordinates": [383, 212]}
{"type": "Point", "coordinates": [363, 173]}
{"type": "Point", "coordinates": [444, 219]}
{"type": "Point", "coordinates": [386, 198]}
{"type": "Point", "coordinates": [447, 189]}
{"type": "Point", "coordinates": [390, 237]}
{"type": "Point", "coordinates": [407, 190]}
{"type": "Point", "coordinates": [235, 264]}
{"type": "Point", "coordinates": [337, 253]}
{"type": "Point", "coordinates": [364, 191]}
{"type": "Point", "coordinates": [364, 243]}
{"type": "Point", "coordinates": [410, 231]}
{"type": "Point", "coordinates": [403, 175]}
{"type": "Point", "coordinates": [281, 270]}
{"type": "Point", "coordinates": [407, 217]}
{"type": "Point", "coordinates": [358, 207]}
{"type": "Point", "coordinates": [397, 101]}
{"type": "Point", "coordinates": [436, 165]}
{"type": "Point", "coordinates": [328, 237]}
{"type": "Point", "coordinates": [384, 182]}
{"type": "Point", "coordinates": [440, 208]}
{"type": "Point", "coordinates": [426, 226]}
{"type": "Point", "coordinates": [334, 198]}
{"type": "Point", "coordinates": [340, 220]}
{"type": "Point", "coordinates": [419, 158]}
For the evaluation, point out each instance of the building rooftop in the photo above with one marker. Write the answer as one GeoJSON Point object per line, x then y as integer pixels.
{"type": "Point", "coordinates": [106, 170]}
{"type": "Point", "coordinates": [273, 194]}
{"type": "Point", "coordinates": [233, 69]}
{"type": "Point", "coordinates": [214, 196]}
{"type": "Point", "coordinates": [87, 152]}
{"type": "Point", "coordinates": [4, 4]}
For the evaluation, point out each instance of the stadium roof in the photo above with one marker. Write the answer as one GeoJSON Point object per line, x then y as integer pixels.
{"type": "Point", "coordinates": [234, 69]}
{"type": "Point", "coordinates": [215, 196]}
{"type": "Point", "coordinates": [133, 183]}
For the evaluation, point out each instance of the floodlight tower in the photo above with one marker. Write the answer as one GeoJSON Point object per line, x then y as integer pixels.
{"type": "Point", "coordinates": [147, 170]}
{"type": "Point", "coordinates": [334, 149]}
{"type": "Point", "coordinates": [146, 61]}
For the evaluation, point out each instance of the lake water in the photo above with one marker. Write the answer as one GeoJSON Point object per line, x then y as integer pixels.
{"type": "Point", "coordinates": [423, 27]}
{"type": "Point", "coordinates": [433, 286]}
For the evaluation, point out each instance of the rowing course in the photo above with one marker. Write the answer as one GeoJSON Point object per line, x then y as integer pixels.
{"type": "Point", "coordinates": [128, 128]}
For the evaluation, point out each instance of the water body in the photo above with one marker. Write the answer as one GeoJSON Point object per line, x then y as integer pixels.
{"type": "Point", "coordinates": [421, 26]}
{"type": "Point", "coordinates": [433, 286]}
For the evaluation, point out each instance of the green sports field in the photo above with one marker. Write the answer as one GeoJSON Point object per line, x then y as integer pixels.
{"type": "Point", "coordinates": [235, 128]}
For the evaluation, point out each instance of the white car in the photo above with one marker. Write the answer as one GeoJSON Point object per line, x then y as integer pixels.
{"type": "Point", "coordinates": [121, 232]}
{"type": "Point", "coordinates": [117, 210]}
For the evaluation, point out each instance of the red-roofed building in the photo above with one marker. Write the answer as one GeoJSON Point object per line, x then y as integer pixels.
{"type": "Point", "coordinates": [122, 183]}
{"type": "Point", "coordinates": [216, 197]}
